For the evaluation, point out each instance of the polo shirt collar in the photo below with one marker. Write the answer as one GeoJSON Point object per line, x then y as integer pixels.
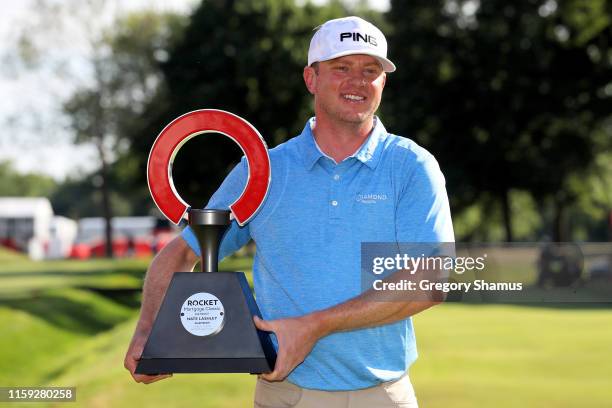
{"type": "Point", "coordinates": [368, 153]}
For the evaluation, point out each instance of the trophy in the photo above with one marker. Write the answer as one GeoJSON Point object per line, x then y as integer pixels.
{"type": "Point", "coordinates": [205, 322]}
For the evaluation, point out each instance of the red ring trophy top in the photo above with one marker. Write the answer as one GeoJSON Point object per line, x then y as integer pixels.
{"type": "Point", "coordinates": [189, 125]}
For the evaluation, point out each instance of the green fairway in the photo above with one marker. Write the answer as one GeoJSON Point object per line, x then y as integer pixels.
{"type": "Point", "coordinates": [75, 332]}
{"type": "Point", "coordinates": [509, 356]}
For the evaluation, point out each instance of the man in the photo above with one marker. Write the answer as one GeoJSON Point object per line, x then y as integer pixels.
{"type": "Point", "coordinates": [343, 181]}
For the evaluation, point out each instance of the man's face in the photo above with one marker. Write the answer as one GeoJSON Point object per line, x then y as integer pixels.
{"type": "Point", "coordinates": [347, 89]}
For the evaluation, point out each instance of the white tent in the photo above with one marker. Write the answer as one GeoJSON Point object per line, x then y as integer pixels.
{"type": "Point", "coordinates": [25, 224]}
{"type": "Point", "coordinates": [63, 234]}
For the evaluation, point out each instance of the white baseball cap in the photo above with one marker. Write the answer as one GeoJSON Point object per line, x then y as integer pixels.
{"type": "Point", "coordinates": [348, 36]}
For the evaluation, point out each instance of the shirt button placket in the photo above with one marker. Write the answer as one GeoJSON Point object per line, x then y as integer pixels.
{"type": "Point", "coordinates": [334, 201]}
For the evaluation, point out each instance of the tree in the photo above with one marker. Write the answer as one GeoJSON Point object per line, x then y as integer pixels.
{"type": "Point", "coordinates": [250, 65]}
{"type": "Point", "coordinates": [507, 95]}
{"type": "Point", "coordinates": [125, 77]}
{"type": "Point", "coordinates": [108, 81]}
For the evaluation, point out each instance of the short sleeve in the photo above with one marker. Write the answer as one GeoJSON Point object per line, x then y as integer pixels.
{"type": "Point", "coordinates": [231, 188]}
{"type": "Point", "coordinates": [423, 212]}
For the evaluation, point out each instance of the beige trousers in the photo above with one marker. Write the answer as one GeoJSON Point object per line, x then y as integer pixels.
{"type": "Point", "coordinates": [284, 394]}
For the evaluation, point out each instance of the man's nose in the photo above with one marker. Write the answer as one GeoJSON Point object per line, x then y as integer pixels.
{"type": "Point", "coordinates": [358, 79]}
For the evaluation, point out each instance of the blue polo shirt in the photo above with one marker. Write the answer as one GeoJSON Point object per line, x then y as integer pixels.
{"type": "Point", "coordinates": [308, 235]}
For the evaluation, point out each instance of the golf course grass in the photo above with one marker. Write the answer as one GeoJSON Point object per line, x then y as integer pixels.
{"type": "Point", "coordinates": [68, 323]}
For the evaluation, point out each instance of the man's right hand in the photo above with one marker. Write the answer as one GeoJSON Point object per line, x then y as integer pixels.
{"type": "Point", "coordinates": [175, 256]}
{"type": "Point", "coordinates": [133, 355]}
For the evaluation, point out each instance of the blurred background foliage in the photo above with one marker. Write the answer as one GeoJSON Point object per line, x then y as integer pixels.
{"type": "Point", "coordinates": [513, 99]}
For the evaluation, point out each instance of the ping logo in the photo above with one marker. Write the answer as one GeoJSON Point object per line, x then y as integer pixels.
{"type": "Point", "coordinates": [371, 198]}
{"type": "Point", "coordinates": [359, 37]}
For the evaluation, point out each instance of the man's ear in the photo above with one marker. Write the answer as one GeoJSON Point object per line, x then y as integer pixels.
{"type": "Point", "coordinates": [310, 79]}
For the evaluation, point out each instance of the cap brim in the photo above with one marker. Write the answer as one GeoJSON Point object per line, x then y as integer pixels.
{"type": "Point", "coordinates": [387, 65]}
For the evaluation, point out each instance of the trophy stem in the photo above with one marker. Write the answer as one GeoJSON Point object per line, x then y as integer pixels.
{"type": "Point", "coordinates": [209, 227]}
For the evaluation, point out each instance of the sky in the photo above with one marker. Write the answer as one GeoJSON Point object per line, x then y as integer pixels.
{"type": "Point", "coordinates": [35, 137]}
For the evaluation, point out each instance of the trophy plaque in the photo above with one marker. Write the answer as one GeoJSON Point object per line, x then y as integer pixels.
{"type": "Point", "coordinates": [205, 322]}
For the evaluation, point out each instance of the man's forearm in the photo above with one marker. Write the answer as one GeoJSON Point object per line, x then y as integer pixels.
{"type": "Point", "coordinates": [373, 308]}
{"type": "Point", "coordinates": [174, 257]}
{"type": "Point", "coordinates": [365, 311]}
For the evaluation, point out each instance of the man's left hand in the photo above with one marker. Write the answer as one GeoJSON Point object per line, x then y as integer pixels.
{"type": "Point", "coordinates": [296, 337]}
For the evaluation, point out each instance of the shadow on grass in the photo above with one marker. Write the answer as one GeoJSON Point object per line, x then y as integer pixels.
{"type": "Point", "coordinates": [137, 273]}
{"type": "Point", "coordinates": [84, 313]}
{"type": "Point", "coordinates": [129, 297]}
{"type": "Point", "coordinates": [61, 369]}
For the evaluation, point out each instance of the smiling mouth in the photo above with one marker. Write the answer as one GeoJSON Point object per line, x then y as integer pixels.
{"type": "Point", "coordinates": [353, 97]}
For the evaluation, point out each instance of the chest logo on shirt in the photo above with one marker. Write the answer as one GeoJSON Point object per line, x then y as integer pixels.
{"type": "Point", "coordinates": [371, 198]}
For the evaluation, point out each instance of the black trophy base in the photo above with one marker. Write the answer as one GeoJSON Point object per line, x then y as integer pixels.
{"type": "Point", "coordinates": [203, 365]}
{"type": "Point", "coordinates": [235, 347]}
